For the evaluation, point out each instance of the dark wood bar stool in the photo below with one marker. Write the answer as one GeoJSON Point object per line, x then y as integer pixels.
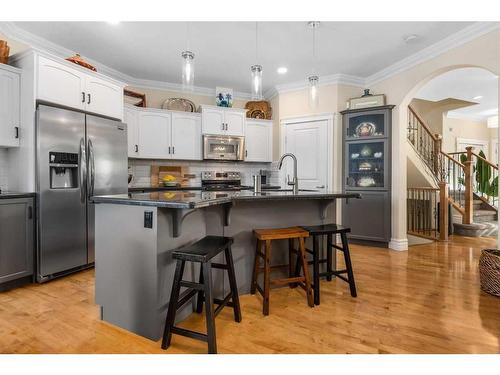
{"type": "Point", "coordinates": [265, 237]}
{"type": "Point", "coordinates": [329, 230]}
{"type": "Point", "coordinates": [201, 252]}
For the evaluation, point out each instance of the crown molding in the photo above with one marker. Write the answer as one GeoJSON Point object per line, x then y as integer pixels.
{"type": "Point", "coordinates": [455, 40]}
{"type": "Point", "coordinates": [452, 41]}
{"type": "Point", "coordinates": [332, 79]}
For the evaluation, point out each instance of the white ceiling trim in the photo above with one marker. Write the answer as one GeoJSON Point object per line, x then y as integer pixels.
{"type": "Point", "coordinates": [461, 37]}
{"type": "Point", "coordinates": [455, 40]}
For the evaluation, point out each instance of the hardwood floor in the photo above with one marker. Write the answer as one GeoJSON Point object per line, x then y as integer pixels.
{"type": "Point", "coordinates": [426, 300]}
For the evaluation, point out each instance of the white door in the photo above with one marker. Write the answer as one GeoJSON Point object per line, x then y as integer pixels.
{"type": "Point", "coordinates": [103, 97]}
{"type": "Point", "coordinates": [213, 121]}
{"type": "Point", "coordinates": [258, 141]}
{"type": "Point", "coordinates": [154, 135]}
{"type": "Point", "coordinates": [130, 117]}
{"type": "Point", "coordinates": [235, 122]}
{"type": "Point", "coordinates": [308, 141]}
{"type": "Point", "coordinates": [9, 109]}
{"type": "Point", "coordinates": [186, 136]}
{"type": "Point", "coordinates": [60, 84]}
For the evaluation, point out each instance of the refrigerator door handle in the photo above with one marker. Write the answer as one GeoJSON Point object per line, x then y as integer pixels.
{"type": "Point", "coordinates": [92, 168]}
{"type": "Point", "coordinates": [83, 170]}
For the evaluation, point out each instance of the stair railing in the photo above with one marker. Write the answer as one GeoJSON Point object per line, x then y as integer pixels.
{"type": "Point", "coordinates": [427, 212]}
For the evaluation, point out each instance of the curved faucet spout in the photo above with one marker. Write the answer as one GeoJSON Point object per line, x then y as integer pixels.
{"type": "Point", "coordinates": [294, 182]}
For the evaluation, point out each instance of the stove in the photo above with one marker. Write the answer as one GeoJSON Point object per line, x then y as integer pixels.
{"type": "Point", "coordinates": [220, 181]}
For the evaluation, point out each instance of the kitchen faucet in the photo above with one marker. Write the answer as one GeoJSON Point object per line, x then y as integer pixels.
{"type": "Point", "coordinates": [295, 181]}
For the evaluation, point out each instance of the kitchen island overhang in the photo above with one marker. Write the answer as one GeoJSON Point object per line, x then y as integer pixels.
{"type": "Point", "coordinates": [135, 234]}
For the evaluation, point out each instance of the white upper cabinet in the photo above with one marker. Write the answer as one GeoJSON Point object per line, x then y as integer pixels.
{"type": "Point", "coordinates": [259, 140]}
{"type": "Point", "coordinates": [9, 106]}
{"type": "Point", "coordinates": [235, 122]}
{"type": "Point", "coordinates": [58, 83]}
{"type": "Point", "coordinates": [222, 121]}
{"type": "Point", "coordinates": [103, 97]}
{"type": "Point", "coordinates": [154, 135]}
{"type": "Point", "coordinates": [62, 84]}
{"type": "Point", "coordinates": [186, 136]}
{"type": "Point", "coordinates": [130, 117]}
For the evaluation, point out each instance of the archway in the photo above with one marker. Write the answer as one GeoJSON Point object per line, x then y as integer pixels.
{"type": "Point", "coordinates": [402, 113]}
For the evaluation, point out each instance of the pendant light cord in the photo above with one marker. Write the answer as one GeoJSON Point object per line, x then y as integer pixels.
{"type": "Point", "coordinates": [314, 48]}
{"type": "Point", "coordinates": [256, 43]}
{"type": "Point", "coordinates": [187, 36]}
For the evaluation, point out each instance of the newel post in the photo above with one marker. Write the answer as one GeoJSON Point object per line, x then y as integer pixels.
{"type": "Point", "coordinates": [469, 195]}
{"type": "Point", "coordinates": [443, 211]}
{"type": "Point", "coordinates": [437, 151]}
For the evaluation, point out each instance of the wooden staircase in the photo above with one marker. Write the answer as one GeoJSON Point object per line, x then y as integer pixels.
{"type": "Point", "coordinates": [467, 186]}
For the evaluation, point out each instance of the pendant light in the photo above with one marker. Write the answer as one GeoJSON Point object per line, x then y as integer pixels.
{"type": "Point", "coordinates": [187, 66]}
{"type": "Point", "coordinates": [313, 79]}
{"type": "Point", "coordinates": [256, 83]}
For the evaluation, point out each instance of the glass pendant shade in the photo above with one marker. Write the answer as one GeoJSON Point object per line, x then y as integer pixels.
{"type": "Point", "coordinates": [313, 91]}
{"type": "Point", "coordinates": [187, 70]}
{"type": "Point", "coordinates": [256, 82]}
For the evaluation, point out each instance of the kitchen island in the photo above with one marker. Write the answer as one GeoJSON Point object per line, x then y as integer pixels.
{"type": "Point", "coordinates": [135, 234]}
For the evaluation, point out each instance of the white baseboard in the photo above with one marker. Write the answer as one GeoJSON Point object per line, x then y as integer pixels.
{"type": "Point", "coordinates": [399, 244]}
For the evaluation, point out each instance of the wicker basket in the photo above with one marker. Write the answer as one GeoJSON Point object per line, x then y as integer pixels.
{"type": "Point", "coordinates": [489, 271]}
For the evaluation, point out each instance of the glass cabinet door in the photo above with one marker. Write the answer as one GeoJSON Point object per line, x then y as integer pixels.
{"type": "Point", "coordinates": [367, 125]}
{"type": "Point", "coordinates": [366, 165]}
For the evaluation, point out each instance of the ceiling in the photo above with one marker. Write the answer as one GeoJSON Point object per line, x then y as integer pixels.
{"type": "Point", "coordinates": [465, 84]}
{"type": "Point", "coordinates": [224, 51]}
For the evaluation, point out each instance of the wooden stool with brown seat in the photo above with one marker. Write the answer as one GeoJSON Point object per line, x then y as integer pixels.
{"type": "Point", "coordinates": [264, 237]}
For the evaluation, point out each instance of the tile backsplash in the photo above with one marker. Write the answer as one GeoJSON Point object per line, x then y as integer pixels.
{"type": "Point", "coordinates": [141, 170]}
{"type": "Point", "coordinates": [4, 184]}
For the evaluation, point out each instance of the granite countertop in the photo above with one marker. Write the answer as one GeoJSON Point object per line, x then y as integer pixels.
{"type": "Point", "coordinates": [15, 194]}
{"type": "Point", "coordinates": [199, 199]}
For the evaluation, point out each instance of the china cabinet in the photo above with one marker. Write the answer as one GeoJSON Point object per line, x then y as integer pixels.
{"type": "Point", "coordinates": [367, 170]}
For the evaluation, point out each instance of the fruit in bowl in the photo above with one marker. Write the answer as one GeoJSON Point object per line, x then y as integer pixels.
{"type": "Point", "coordinates": [169, 180]}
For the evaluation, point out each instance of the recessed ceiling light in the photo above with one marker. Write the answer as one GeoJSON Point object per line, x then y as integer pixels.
{"type": "Point", "coordinates": [410, 38]}
{"type": "Point", "coordinates": [282, 70]}
{"type": "Point", "coordinates": [477, 97]}
{"type": "Point", "coordinates": [113, 22]}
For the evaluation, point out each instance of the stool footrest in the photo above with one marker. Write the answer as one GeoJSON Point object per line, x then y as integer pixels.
{"type": "Point", "coordinates": [337, 247]}
{"type": "Point", "coordinates": [277, 267]}
{"type": "Point", "coordinates": [288, 280]}
{"type": "Point", "coordinates": [191, 285]}
{"type": "Point", "coordinates": [259, 289]}
{"type": "Point", "coordinates": [220, 266]}
{"type": "Point", "coordinates": [189, 333]}
{"type": "Point", "coordinates": [186, 296]}
{"type": "Point", "coordinates": [223, 304]}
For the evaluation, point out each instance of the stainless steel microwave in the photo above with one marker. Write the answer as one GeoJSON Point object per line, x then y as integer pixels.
{"type": "Point", "coordinates": [223, 147]}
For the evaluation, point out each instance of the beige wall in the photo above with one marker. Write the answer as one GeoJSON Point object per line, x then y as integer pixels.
{"type": "Point", "coordinates": [454, 128]}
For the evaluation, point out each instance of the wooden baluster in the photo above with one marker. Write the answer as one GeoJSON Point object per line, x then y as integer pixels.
{"type": "Point", "coordinates": [443, 211]}
{"type": "Point", "coordinates": [437, 151]}
{"type": "Point", "coordinates": [468, 199]}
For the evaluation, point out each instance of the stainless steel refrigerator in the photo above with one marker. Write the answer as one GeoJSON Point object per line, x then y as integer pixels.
{"type": "Point", "coordinates": [78, 155]}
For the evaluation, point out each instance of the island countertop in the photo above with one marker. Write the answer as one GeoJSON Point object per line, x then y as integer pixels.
{"type": "Point", "coordinates": [198, 199]}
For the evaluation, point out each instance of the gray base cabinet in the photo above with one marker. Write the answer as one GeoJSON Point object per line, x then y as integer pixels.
{"type": "Point", "coordinates": [16, 239]}
{"type": "Point", "coordinates": [368, 217]}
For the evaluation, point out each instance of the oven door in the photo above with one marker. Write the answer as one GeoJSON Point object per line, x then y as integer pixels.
{"type": "Point", "coordinates": [223, 147]}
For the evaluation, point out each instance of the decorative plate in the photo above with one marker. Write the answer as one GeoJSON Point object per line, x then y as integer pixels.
{"type": "Point", "coordinates": [366, 182]}
{"type": "Point", "coordinates": [378, 155]}
{"type": "Point", "coordinates": [179, 104]}
{"type": "Point", "coordinates": [365, 129]}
